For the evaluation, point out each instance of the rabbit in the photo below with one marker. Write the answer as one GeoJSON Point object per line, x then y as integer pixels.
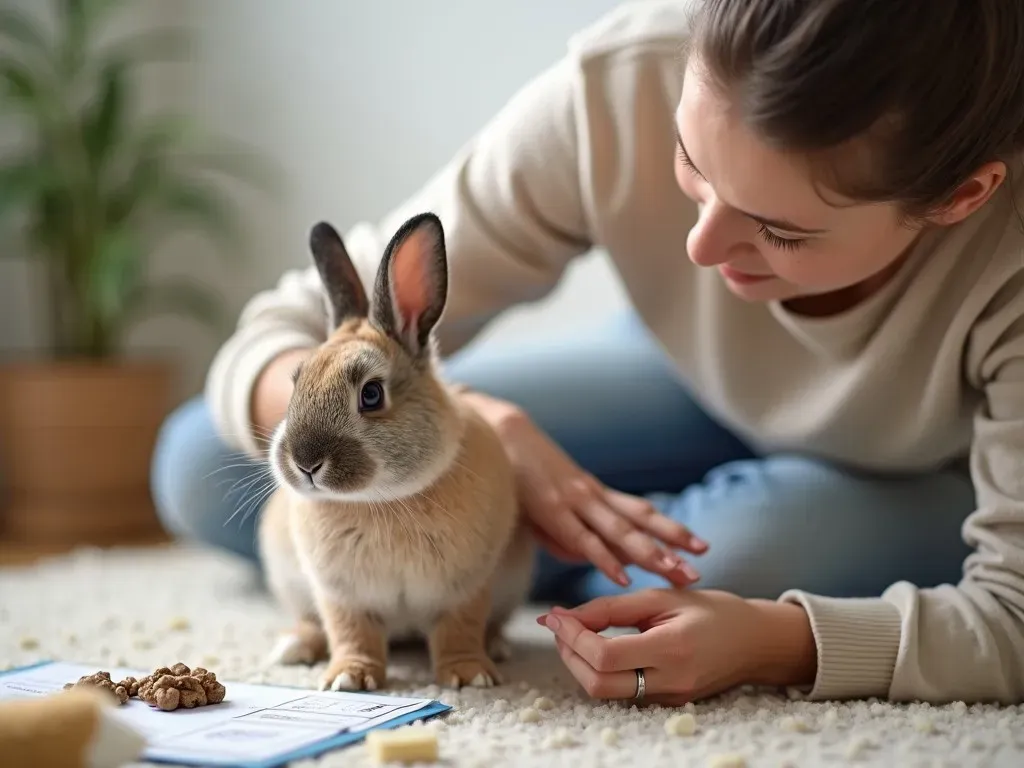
{"type": "Point", "coordinates": [395, 512]}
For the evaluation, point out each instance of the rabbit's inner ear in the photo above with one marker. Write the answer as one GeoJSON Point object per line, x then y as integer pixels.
{"type": "Point", "coordinates": [412, 283]}
{"type": "Point", "coordinates": [346, 297]}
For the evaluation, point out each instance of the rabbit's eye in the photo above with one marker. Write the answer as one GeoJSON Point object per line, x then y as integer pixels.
{"type": "Point", "coordinates": [371, 397]}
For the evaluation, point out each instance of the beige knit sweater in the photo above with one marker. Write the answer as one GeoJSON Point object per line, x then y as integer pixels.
{"type": "Point", "coordinates": [581, 158]}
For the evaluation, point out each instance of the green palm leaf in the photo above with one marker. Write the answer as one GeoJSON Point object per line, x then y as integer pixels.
{"type": "Point", "coordinates": [25, 92]}
{"type": "Point", "coordinates": [162, 45]}
{"type": "Point", "coordinates": [233, 161]}
{"type": "Point", "coordinates": [196, 205]}
{"type": "Point", "coordinates": [20, 85]}
{"type": "Point", "coordinates": [96, 183]}
{"type": "Point", "coordinates": [22, 184]}
{"type": "Point", "coordinates": [114, 276]}
{"type": "Point", "coordinates": [102, 126]}
{"type": "Point", "coordinates": [23, 30]}
{"type": "Point", "coordinates": [178, 295]}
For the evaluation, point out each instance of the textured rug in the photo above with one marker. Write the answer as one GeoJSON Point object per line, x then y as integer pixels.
{"type": "Point", "coordinates": [155, 607]}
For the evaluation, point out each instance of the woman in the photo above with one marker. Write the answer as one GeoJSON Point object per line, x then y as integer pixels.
{"type": "Point", "coordinates": [808, 203]}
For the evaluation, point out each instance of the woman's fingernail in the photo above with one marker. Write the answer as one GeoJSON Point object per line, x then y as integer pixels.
{"type": "Point", "coordinates": [542, 620]}
{"type": "Point", "coordinates": [623, 579]}
{"type": "Point", "coordinates": [691, 572]}
{"type": "Point", "coordinates": [671, 561]}
{"type": "Point", "coordinates": [553, 623]}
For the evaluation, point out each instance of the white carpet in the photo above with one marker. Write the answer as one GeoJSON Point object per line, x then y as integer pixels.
{"type": "Point", "coordinates": [117, 609]}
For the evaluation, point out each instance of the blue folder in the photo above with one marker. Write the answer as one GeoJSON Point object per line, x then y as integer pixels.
{"type": "Point", "coordinates": [431, 710]}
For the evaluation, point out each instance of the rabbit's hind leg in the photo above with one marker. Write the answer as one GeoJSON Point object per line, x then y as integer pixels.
{"type": "Point", "coordinates": [511, 590]}
{"type": "Point", "coordinates": [305, 642]}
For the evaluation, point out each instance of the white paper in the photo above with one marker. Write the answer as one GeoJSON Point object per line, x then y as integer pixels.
{"type": "Point", "coordinates": [254, 723]}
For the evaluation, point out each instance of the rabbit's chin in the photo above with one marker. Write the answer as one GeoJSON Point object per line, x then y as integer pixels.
{"type": "Point", "coordinates": [376, 491]}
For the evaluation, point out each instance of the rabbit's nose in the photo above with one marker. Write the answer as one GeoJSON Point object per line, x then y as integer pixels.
{"type": "Point", "coordinates": [309, 468]}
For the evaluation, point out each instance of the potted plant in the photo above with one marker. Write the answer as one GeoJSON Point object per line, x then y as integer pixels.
{"type": "Point", "coordinates": [87, 195]}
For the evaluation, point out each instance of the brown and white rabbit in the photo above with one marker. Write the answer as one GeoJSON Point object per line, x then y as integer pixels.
{"type": "Point", "coordinates": [395, 514]}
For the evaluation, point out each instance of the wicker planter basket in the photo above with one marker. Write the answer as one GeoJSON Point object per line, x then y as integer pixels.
{"type": "Point", "coordinates": [76, 442]}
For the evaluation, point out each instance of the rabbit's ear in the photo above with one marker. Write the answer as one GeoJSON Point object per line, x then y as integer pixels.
{"type": "Point", "coordinates": [346, 297]}
{"type": "Point", "coordinates": [412, 283]}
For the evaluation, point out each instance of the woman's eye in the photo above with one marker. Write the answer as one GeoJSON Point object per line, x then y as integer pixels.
{"type": "Point", "coordinates": [371, 396]}
{"type": "Point", "coordinates": [782, 243]}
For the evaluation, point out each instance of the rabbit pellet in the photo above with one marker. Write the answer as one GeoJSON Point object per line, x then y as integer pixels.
{"type": "Point", "coordinates": [681, 725]}
{"type": "Point", "coordinates": [924, 724]}
{"type": "Point", "coordinates": [728, 760]}
{"type": "Point", "coordinates": [529, 715]}
{"type": "Point", "coordinates": [560, 739]}
{"type": "Point", "coordinates": [794, 724]}
{"type": "Point", "coordinates": [544, 703]}
{"type": "Point", "coordinates": [857, 747]}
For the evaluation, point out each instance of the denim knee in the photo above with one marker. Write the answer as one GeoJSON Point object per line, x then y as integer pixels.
{"type": "Point", "coordinates": [199, 484]}
{"type": "Point", "coordinates": [171, 467]}
{"type": "Point", "coordinates": [792, 522]}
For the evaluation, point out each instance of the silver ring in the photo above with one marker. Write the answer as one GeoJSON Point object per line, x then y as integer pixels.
{"type": "Point", "coordinates": [641, 686]}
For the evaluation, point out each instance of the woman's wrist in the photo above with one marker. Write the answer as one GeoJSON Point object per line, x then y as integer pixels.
{"type": "Point", "coordinates": [785, 651]}
{"type": "Point", "coordinates": [500, 414]}
{"type": "Point", "coordinates": [273, 390]}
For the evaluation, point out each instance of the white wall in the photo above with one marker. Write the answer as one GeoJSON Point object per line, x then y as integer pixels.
{"type": "Point", "coordinates": [282, 77]}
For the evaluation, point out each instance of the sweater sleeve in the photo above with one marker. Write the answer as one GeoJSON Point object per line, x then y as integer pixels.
{"type": "Point", "coordinates": [512, 209]}
{"type": "Point", "coordinates": [950, 642]}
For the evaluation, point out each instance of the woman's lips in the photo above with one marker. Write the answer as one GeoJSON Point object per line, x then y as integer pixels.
{"type": "Point", "coordinates": [741, 277]}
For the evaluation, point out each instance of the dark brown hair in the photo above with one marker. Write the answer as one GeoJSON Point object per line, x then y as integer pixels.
{"type": "Point", "coordinates": [921, 93]}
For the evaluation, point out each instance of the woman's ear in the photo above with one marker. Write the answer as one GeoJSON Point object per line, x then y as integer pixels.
{"type": "Point", "coordinates": [971, 194]}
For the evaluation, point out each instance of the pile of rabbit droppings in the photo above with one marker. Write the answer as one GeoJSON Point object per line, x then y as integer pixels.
{"type": "Point", "coordinates": [139, 609]}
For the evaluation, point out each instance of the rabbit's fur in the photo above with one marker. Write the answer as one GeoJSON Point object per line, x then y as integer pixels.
{"type": "Point", "coordinates": [395, 513]}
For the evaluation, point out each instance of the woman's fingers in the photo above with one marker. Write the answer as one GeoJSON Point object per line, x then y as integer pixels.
{"type": "Point", "coordinates": [559, 521]}
{"type": "Point", "coordinates": [635, 545]}
{"type": "Point", "coordinates": [577, 518]}
{"type": "Point", "coordinates": [620, 685]}
{"type": "Point", "coordinates": [599, 685]}
{"type": "Point", "coordinates": [606, 667]}
{"type": "Point", "coordinates": [629, 610]}
{"type": "Point", "coordinates": [645, 516]}
{"type": "Point", "coordinates": [602, 654]}
{"type": "Point", "coordinates": [555, 547]}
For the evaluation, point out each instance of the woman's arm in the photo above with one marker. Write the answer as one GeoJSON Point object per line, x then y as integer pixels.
{"type": "Point", "coordinates": [514, 218]}
{"type": "Point", "coordinates": [951, 642]}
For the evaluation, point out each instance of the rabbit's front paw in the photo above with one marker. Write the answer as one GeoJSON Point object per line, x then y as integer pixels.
{"type": "Point", "coordinates": [479, 673]}
{"type": "Point", "coordinates": [352, 674]}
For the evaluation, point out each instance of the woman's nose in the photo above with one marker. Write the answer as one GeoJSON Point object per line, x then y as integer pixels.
{"type": "Point", "coordinates": [713, 239]}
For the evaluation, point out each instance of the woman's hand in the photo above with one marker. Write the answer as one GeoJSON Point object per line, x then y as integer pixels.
{"type": "Point", "coordinates": [576, 517]}
{"type": "Point", "coordinates": [273, 390]}
{"type": "Point", "coordinates": [692, 644]}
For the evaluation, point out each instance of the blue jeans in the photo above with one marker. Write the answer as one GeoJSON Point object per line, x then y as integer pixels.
{"type": "Point", "coordinates": [610, 399]}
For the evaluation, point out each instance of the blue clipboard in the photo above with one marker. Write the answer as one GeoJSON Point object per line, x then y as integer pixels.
{"type": "Point", "coordinates": [316, 749]}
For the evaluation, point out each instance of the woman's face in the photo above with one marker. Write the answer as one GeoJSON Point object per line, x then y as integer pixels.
{"type": "Point", "coordinates": [763, 224]}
